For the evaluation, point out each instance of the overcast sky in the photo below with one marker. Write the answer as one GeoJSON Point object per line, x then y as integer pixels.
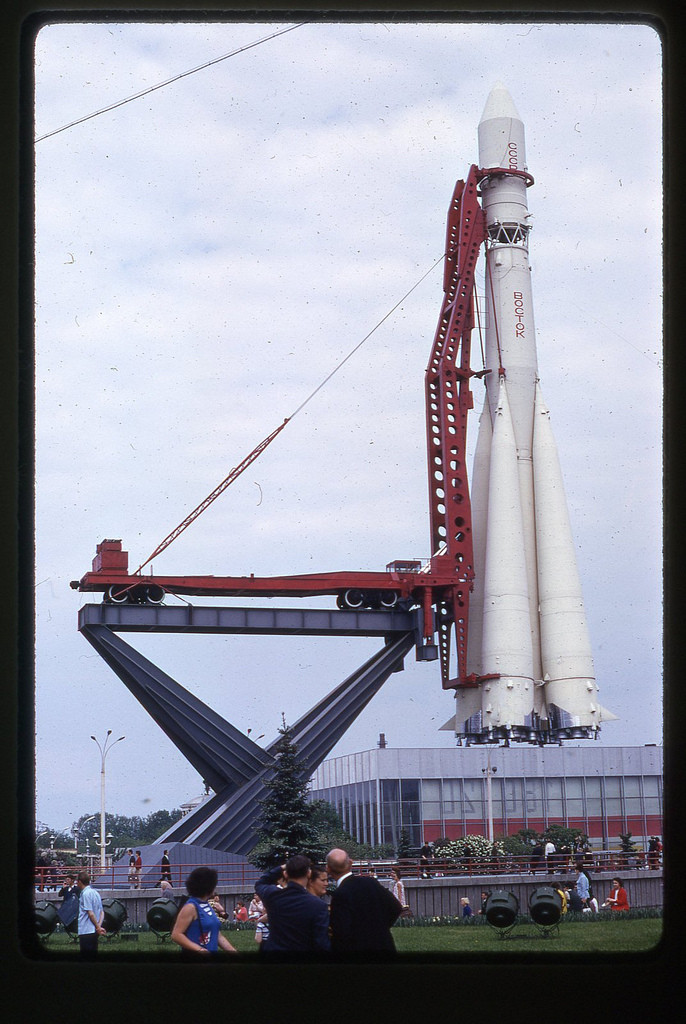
{"type": "Point", "coordinates": [208, 253]}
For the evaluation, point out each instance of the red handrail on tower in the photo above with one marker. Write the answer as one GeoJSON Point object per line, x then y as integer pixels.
{"type": "Point", "coordinates": [448, 401]}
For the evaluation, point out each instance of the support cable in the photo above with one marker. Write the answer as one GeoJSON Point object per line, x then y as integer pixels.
{"type": "Point", "coordinates": [361, 343]}
{"type": "Point", "coordinates": [175, 78]}
{"type": "Point", "coordinates": [249, 459]}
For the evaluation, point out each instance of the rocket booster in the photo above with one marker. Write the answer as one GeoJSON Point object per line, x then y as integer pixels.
{"type": "Point", "coordinates": [528, 643]}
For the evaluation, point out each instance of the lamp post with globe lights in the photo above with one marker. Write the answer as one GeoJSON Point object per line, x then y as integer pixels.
{"type": "Point", "coordinates": [104, 749]}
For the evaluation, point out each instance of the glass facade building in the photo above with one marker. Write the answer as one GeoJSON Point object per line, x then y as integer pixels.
{"type": "Point", "coordinates": [443, 792]}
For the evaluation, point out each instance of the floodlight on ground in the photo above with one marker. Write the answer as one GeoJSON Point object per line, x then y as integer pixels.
{"type": "Point", "coordinates": [45, 918]}
{"type": "Point", "coordinates": [501, 909]}
{"type": "Point", "coordinates": [545, 907]}
{"type": "Point", "coordinates": [161, 916]}
{"type": "Point", "coordinates": [114, 916]}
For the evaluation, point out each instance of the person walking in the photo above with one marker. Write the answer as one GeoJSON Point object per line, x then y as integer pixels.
{"type": "Point", "coordinates": [138, 869]}
{"type": "Point", "coordinates": [583, 887]}
{"type": "Point", "coordinates": [549, 852]}
{"type": "Point", "coordinates": [298, 921]}
{"type": "Point", "coordinates": [166, 868]}
{"type": "Point", "coordinates": [362, 910]}
{"type": "Point", "coordinates": [132, 868]}
{"type": "Point", "coordinates": [426, 856]}
{"type": "Point", "coordinates": [537, 855]}
{"type": "Point", "coordinates": [654, 848]}
{"type": "Point", "coordinates": [91, 915]}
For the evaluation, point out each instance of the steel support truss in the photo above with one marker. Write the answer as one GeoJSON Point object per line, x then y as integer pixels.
{"type": "Point", "coordinates": [229, 762]}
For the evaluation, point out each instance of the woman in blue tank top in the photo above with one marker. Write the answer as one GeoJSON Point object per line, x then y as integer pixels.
{"type": "Point", "coordinates": [196, 928]}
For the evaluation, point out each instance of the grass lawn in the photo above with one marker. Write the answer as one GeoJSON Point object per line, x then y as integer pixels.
{"type": "Point", "coordinates": [613, 936]}
{"type": "Point", "coordinates": [593, 936]}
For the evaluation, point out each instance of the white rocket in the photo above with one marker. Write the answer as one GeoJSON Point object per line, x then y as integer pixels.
{"type": "Point", "coordinates": [527, 626]}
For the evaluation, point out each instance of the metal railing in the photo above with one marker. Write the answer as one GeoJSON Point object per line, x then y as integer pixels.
{"type": "Point", "coordinates": [243, 876]}
{"type": "Point", "coordinates": [603, 861]}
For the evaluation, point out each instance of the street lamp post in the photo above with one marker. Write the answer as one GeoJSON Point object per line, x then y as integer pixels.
{"type": "Point", "coordinates": [104, 751]}
{"type": "Point", "coordinates": [79, 830]}
{"type": "Point", "coordinates": [488, 772]}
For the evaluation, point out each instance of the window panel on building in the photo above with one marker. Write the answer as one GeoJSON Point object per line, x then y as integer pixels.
{"type": "Point", "coordinates": [452, 798]}
{"type": "Point", "coordinates": [554, 798]}
{"type": "Point", "coordinates": [594, 802]}
{"type": "Point", "coordinates": [613, 797]}
{"type": "Point", "coordinates": [390, 790]}
{"type": "Point", "coordinates": [390, 810]}
{"type": "Point", "coordinates": [473, 798]}
{"type": "Point", "coordinates": [431, 790]}
{"type": "Point", "coordinates": [651, 794]}
{"type": "Point", "coordinates": [368, 814]}
{"type": "Point", "coordinates": [574, 802]}
{"type": "Point", "coordinates": [496, 797]}
{"type": "Point", "coordinates": [409, 789]}
{"type": "Point", "coordinates": [632, 795]}
{"type": "Point", "coordinates": [514, 801]}
{"type": "Point", "coordinates": [533, 792]}
{"type": "Point", "coordinates": [410, 812]}
{"type": "Point", "coordinates": [431, 810]}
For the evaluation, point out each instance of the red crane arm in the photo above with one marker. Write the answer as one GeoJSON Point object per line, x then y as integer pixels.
{"type": "Point", "coordinates": [219, 489]}
{"type": "Point", "coordinates": [448, 401]}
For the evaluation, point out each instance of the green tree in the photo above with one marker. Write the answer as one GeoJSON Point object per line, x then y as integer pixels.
{"type": "Point", "coordinates": [515, 845]}
{"type": "Point", "coordinates": [286, 824]}
{"type": "Point", "coordinates": [333, 833]}
{"type": "Point", "coordinates": [128, 831]}
{"type": "Point", "coordinates": [331, 830]}
{"type": "Point", "coordinates": [564, 837]}
{"type": "Point", "coordinates": [628, 848]}
{"type": "Point", "coordinates": [404, 848]}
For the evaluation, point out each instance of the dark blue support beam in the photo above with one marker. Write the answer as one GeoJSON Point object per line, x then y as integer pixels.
{"type": "Point", "coordinates": [215, 748]}
{"type": "Point", "coordinates": [230, 825]}
{"type": "Point", "coordinates": [231, 764]}
{"type": "Point", "coordinates": [188, 618]}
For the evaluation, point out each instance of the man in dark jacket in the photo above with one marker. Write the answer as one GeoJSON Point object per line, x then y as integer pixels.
{"type": "Point", "coordinates": [298, 921]}
{"type": "Point", "coordinates": [362, 910]}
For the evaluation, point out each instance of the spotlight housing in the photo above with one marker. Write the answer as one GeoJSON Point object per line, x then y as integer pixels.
{"type": "Point", "coordinates": [545, 907]}
{"type": "Point", "coordinates": [501, 909]}
{"type": "Point", "coordinates": [45, 918]}
{"type": "Point", "coordinates": [114, 916]}
{"type": "Point", "coordinates": [161, 916]}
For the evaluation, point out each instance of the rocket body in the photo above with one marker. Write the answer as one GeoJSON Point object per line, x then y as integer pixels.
{"type": "Point", "coordinates": [528, 642]}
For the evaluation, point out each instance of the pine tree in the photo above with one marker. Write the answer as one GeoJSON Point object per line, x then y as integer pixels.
{"type": "Point", "coordinates": [404, 848]}
{"type": "Point", "coordinates": [286, 824]}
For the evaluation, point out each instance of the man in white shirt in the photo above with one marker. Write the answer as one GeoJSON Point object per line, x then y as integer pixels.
{"type": "Point", "coordinates": [549, 852]}
{"type": "Point", "coordinates": [91, 916]}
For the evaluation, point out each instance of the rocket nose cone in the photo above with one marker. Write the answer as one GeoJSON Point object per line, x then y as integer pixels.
{"type": "Point", "coordinates": [499, 104]}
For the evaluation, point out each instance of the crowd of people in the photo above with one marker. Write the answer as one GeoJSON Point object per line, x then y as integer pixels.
{"type": "Point", "coordinates": [544, 857]}
{"type": "Point", "coordinates": [290, 913]}
{"type": "Point", "coordinates": [297, 907]}
{"type": "Point", "coordinates": [580, 897]}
